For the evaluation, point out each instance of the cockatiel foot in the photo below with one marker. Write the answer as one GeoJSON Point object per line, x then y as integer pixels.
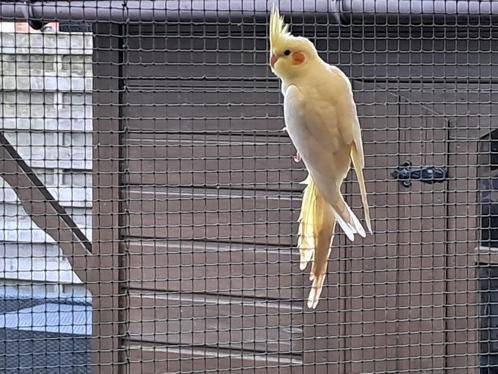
{"type": "Point", "coordinates": [297, 157]}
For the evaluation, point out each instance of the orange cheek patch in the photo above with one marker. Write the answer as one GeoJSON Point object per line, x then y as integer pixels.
{"type": "Point", "coordinates": [297, 58]}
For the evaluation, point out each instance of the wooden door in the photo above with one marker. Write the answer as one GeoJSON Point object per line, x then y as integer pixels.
{"type": "Point", "coordinates": [393, 292]}
{"type": "Point", "coordinates": [422, 243]}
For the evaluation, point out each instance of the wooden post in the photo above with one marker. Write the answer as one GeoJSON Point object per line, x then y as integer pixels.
{"type": "Point", "coordinates": [106, 203]}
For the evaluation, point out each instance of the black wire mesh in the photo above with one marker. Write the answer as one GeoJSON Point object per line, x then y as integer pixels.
{"type": "Point", "coordinates": [150, 197]}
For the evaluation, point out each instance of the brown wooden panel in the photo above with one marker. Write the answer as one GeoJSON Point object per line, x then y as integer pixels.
{"type": "Point", "coordinates": [211, 56]}
{"type": "Point", "coordinates": [235, 162]}
{"type": "Point", "coordinates": [213, 214]}
{"type": "Point", "coordinates": [232, 125]}
{"type": "Point", "coordinates": [201, 57]}
{"type": "Point", "coordinates": [104, 272]}
{"type": "Point", "coordinates": [215, 321]}
{"type": "Point", "coordinates": [160, 359]}
{"type": "Point", "coordinates": [462, 310]}
{"type": "Point", "coordinates": [152, 100]}
{"type": "Point", "coordinates": [169, 106]}
{"type": "Point", "coordinates": [367, 268]}
{"type": "Point", "coordinates": [463, 104]}
{"type": "Point", "coordinates": [422, 244]}
{"type": "Point", "coordinates": [216, 268]}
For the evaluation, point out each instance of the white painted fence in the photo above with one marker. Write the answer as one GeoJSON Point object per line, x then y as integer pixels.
{"type": "Point", "coordinates": [46, 112]}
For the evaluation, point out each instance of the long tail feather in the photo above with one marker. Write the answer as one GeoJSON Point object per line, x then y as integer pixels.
{"type": "Point", "coordinates": [348, 221]}
{"type": "Point", "coordinates": [358, 167]}
{"type": "Point", "coordinates": [316, 230]}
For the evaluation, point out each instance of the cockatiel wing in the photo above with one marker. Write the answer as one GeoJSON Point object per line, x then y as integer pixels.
{"type": "Point", "coordinates": [359, 163]}
{"type": "Point", "coordinates": [350, 131]}
{"type": "Point", "coordinates": [313, 127]}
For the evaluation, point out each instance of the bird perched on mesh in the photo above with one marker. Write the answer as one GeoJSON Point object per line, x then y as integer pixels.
{"type": "Point", "coordinates": [321, 120]}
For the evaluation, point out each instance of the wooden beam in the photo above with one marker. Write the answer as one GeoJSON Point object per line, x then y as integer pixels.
{"type": "Point", "coordinates": [109, 297]}
{"type": "Point", "coordinates": [44, 209]}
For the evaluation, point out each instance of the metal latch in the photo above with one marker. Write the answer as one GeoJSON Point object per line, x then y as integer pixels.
{"type": "Point", "coordinates": [405, 173]}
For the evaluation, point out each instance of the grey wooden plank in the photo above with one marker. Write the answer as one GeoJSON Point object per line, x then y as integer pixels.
{"type": "Point", "coordinates": [462, 301]}
{"type": "Point", "coordinates": [215, 321]}
{"type": "Point", "coordinates": [197, 57]}
{"type": "Point", "coordinates": [216, 268]}
{"type": "Point", "coordinates": [213, 160]}
{"type": "Point", "coordinates": [257, 217]}
{"type": "Point", "coordinates": [425, 57]}
{"type": "Point", "coordinates": [147, 358]}
{"type": "Point", "coordinates": [422, 248]}
{"type": "Point", "coordinates": [199, 108]}
{"type": "Point", "coordinates": [105, 271]}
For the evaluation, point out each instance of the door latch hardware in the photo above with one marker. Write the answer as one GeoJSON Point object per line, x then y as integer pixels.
{"type": "Point", "coordinates": [405, 173]}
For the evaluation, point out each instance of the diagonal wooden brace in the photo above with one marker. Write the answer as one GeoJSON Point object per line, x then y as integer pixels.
{"type": "Point", "coordinates": [45, 210]}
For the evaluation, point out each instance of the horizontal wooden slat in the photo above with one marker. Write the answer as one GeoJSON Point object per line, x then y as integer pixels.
{"type": "Point", "coordinates": [162, 125]}
{"type": "Point", "coordinates": [215, 57]}
{"type": "Point", "coordinates": [216, 268]}
{"type": "Point", "coordinates": [209, 160]}
{"type": "Point", "coordinates": [197, 56]}
{"type": "Point", "coordinates": [215, 215]}
{"type": "Point", "coordinates": [204, 320]}
{"type": "Point", "coordinates": [161, 359]}
{"type": "Point", "coordinates": [201, 108]}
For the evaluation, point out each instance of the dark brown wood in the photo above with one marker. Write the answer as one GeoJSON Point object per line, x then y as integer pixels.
{"type": "Point", "coordinates": [462, 300]}
{"type": "Point", "coordinates": [422, 244]}
{"type": "Point", "coordinates": [239, 109]}
{"type": "Point", "coordinates": [212, 200]}
{"type": "Point", "coordinates": [392, 298]}
{"type": "Point", "coordinates": [228, 269]}
{"type": "Point", "coordinates": [465, 126]}
{"type": "Point", "coordinates": [213, 215]}
{"type": "Point", "coordinates": [196, 57]}
{"type": "Point", "coordinates": [107, 308]}
{"type": "Point", "coordinates": [362, 334]}
{"type": "Point", "coordinates": [147, 358]}
{"type": "Point", "coordinates": [215, 321]}
{"type": "Point", "coordinates": [44, 209]}
{"type": "Point", "coordinates": [200, 111]}
{"type": "Point", "coordinates": [240, 162]}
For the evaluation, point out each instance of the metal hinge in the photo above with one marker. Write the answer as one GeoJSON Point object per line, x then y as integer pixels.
{"type": "Point", "coordinates": [405, 173]}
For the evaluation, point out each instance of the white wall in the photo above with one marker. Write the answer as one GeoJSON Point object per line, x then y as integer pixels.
{"type": "Point", "coordinates": [46, 112]}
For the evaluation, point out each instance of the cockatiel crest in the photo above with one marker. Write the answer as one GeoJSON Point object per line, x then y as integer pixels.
{"type": "Point", "coordinates": [279, 31]}
{"type": "Point", "coordinates": [321, 120]}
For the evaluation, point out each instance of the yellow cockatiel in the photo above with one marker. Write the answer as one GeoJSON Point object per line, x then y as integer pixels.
{"type": "Point", "coordinates": [321, 120]}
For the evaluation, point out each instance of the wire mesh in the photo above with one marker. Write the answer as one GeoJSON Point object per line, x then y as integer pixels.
{"type": "Point", "coordinates": [150, 199]}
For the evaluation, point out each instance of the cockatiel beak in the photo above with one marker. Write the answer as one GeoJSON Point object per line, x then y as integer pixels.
{"type": "Point", "coordinates": [273, 60]}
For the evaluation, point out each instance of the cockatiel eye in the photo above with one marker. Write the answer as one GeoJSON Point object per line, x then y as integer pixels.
{"type": "Point", "coordinates": [287, 52]}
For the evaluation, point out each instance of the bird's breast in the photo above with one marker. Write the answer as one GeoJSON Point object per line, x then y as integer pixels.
{"type": "Point", "coordinates": [312, 128]}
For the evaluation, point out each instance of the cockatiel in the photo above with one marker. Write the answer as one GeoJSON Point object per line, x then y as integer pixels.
{"type": "Point", "coordinates": [321, 120]}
